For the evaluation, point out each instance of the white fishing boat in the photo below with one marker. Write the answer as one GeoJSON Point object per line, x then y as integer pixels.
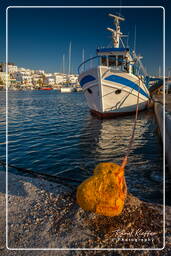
{"type": "Point", "coordinates": [111, 87]}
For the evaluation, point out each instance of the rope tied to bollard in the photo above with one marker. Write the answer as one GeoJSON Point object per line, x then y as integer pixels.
{"type": "Point", "coordinates": [105, 192]}
{"type": "Point", "coordinates": [125, 160]}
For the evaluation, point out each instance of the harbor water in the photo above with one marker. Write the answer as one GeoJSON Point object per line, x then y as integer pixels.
{"type": "Point", "coordinates": [54, 133]}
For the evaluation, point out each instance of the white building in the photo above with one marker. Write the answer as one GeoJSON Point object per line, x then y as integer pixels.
{"type": "Point", "coordinates": [59, 78]}
{"type": "Point", "coordinates": [11, 68]}
{"type": "Point", "coordinates": [26, 70]}
{"type": "Point", "coordinates": [39, 72]}
{"type": "Point", "coordinates": [23, 77]}
{"type": "Point", "coordinates": [73, 79]}
{"type": "Point", "coordinates": [49, 80]}
{"type": "Point", "coordinates": [4, 77]}
{"type": "Point", "coordinates": [36, 79]}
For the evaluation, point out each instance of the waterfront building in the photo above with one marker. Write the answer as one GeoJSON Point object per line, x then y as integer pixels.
{"type": "Point", "coordinates": [37, 79]}
{"type": "Point", "coordinates": [28, 77]}
{"type": "Point", "coordinates": [39, 72]}
{"type": "Point", "coordinates": [23, 77]}
{"type": "Point", "coordinates": [4, 77]}
{"type": "Point", "coordinates": [11, 68]}
{"type": "Point", "coordinates": [73, 79]}
{"type": "Point", "coordinates": [59, 78]}
{"type": "Point", "coordinates": [50, 80]}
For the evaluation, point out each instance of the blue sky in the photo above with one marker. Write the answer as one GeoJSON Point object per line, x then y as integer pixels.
{"type": "Point", "coordinates": [38, 38]}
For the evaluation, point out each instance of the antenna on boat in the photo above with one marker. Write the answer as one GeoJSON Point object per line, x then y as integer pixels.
{"type": "Point", "coordinates": [116, 34]}
{"type": "Point", "coordinates": [138, 59]}
{"type": "Point", "coordinates": [120, 7]}
{"type": "Point", "coordinates": [117, 18]}
{"type": "Point", "coordinates": [127, 42]}
{"type": "Point", "coordinates": [91, 61]}
{"type": "Point", "coordinates": [135, 37]}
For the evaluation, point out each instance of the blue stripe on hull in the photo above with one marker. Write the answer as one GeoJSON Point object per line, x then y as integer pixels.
{"type": "Point", "coordinates": [126, 82]}
{"type": "Point", "coordinates": [87, 79]}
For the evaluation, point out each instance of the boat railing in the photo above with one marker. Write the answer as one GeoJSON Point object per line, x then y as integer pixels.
{"type": "Point", "coordinates": [96, 61]}
{"type": "Point", "coordinates": [89, 63]}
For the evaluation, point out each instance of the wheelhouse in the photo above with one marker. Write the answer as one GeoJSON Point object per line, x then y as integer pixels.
{"type": "Point", "coordinates": [115, 58]}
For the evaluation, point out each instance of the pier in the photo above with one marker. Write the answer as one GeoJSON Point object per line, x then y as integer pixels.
{"type": "Point", "coordinates": [158, 109]}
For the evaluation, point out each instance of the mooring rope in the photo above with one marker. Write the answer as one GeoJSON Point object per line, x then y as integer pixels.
{"type": "Point", "coordinates": [56, 179]}
{"type": "Point", "coordinates": [125, 160]}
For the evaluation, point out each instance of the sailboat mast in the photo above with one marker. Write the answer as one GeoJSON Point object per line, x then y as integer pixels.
{"type": "Point", "coordinates": [135, 37]}
{"type": "Point", "coordinates": [159, 71]}
{"type": "Point", "coordinates": [69, 62]}
{"type": "Point", "coordinates": [83, 59]}
{"type": "Point", "coordinates": [63, 63]}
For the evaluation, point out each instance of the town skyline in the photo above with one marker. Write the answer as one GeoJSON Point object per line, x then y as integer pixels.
{"type": "Point", "coordinates": [22, 78]}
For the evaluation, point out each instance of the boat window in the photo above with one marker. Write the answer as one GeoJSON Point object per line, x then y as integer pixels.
{"type": "Point", "coordinates": [120, 60]}
{"type": "Point", "coordinates": [103, 61]}
{"type": "Point", "coordinates": [89, 90]}
{"type": "Point", "coordinates": [112, 61]}
{"type": "Point", "coordinates": [118, 91]}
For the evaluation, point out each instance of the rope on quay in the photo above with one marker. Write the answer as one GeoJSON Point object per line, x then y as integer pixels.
{"type": "Point", "coordinates": [56, 179]}
{"type": "Point", "coordinates": [125, 160]}
{"type": "Point", "coordinates": [105, 192]}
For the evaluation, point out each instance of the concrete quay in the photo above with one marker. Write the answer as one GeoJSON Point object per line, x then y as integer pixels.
{"type": "Point", "coordinates": [158, 109]}
{"type": "Point", "coordinates": [42, 214]}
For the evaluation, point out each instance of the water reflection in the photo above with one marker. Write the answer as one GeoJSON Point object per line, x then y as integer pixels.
{"type": "Point", "coordinates": [107, 140]}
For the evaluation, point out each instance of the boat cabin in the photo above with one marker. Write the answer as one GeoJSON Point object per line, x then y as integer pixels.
{"type": "Point", "coordinates": [115, 58]}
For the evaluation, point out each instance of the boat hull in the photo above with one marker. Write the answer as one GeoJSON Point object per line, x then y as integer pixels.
{"type": "Point", "coordinates": [112, 93]}
{"type": "Point", "coordinates": [114, 114]}
{"type": "Point", "coordinates": [46, 88]}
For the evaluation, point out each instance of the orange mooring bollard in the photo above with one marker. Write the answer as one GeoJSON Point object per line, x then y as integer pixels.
{"type": "Point", "coordinates": [105, 192]}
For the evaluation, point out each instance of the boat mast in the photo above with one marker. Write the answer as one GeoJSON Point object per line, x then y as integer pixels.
{"type": "Point", "coordinates": [63, 67]}
{"type": "Point", "coordinates": [69, 61]}
{"type": "Point", "coordinates": [135, 37]}
{"type": "Point", "coordinates": [63, 63]}
{"type": "Point", "coordinates": [116, 34]}
{"type": "Point", "coordinates": [83, 58]}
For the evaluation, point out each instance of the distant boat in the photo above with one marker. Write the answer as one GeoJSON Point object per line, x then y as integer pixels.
{"type": "Point", "coordinates": [67, 89]}
{"type": "Point", "coordinates": [46, 88]}
{"type": "Point", "coordinates": [111, 88]}
{"type": "Point", "coordinates": [79, 89]}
